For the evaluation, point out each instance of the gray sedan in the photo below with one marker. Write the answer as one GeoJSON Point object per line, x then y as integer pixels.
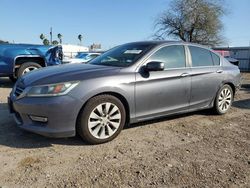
{"type": "Point", "coordinates": [130, 83]}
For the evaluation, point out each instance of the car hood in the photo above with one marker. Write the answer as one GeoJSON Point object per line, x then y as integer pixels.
{"type": "Point", "coordinates": [65, 73]}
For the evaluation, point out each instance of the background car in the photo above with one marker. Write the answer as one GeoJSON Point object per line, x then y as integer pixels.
{"type": "Point", "coordinates": [130, 83]}
{"type": "Point", "coordinates": [226, 54]}
{"type": "Point", "coordinates": [82, 57]}
{"type": "Point", "coordinates": [18, 59]}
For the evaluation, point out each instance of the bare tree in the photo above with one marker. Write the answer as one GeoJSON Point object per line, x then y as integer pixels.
{"type": "Point", "coordinates": [197, 21]}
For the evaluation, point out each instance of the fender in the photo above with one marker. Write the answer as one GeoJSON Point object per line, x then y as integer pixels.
{"type": "Point", "coordinates": [14, 66]}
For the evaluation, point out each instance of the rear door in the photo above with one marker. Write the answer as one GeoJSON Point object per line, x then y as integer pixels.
{"type": "Point", "coordinates": [206, 76]}
{"type": "Point", "coordinates": [167, 91]}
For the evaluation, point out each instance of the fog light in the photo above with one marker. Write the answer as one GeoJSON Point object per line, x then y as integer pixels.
{"type": "Point", "coordinates": [38, 118]}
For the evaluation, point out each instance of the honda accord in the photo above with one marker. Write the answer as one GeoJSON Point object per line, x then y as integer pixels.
{"type": "Point", "coordinates": [130, 83]}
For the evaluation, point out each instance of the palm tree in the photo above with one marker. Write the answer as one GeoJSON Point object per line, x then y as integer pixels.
{"type": "Point", "coordinates": [80, 39]}
{"type": "Point", "coordinates": [54, 42]}
{"type": "Point", "coordinates": [46, 42]}
{"type": "Point", "coordinates": [59, 36]}
{"type": "Point", "coordinates": [42, 37]}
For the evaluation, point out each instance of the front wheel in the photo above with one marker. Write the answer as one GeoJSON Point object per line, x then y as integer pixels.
{"type": "Point", "coordinates": [223, 100]}
{"type": "Point", "coordinates": [101, 120]}
{"type": "Point", "coordinates": [27, 67]}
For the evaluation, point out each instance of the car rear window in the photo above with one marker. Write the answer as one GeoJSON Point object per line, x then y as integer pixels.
{"type": "Point", "coordinates": [216, 58]}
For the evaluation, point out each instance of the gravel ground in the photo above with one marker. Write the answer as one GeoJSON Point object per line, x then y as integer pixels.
{"type": "Point", "coordinates": [193, 150]}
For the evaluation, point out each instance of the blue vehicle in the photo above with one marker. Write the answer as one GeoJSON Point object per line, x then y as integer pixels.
{"type": "Point", "coordinates": [18, 59]}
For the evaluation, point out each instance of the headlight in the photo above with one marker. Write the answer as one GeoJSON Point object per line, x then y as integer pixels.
{"type": "Point", "coordinates": [51, 89]}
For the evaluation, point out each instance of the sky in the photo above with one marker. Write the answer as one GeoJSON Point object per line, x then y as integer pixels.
{"type": "Point", "coordinates": [109, 22]}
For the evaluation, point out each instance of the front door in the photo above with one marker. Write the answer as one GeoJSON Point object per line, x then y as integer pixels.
{"type": "Point", "coordinates": [161, 92]}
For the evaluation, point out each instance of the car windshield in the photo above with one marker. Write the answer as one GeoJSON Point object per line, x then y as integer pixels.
{"type": "Point", "coordinates": [81, 55]}
{"type": "Point", "coordinates": [122, 56]}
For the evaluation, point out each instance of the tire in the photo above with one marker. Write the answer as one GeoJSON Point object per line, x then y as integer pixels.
{"type": "Point", "coordinates": [97, 126]}
{"type": "Point", "coordinates": [23, 69]}
{"type": "Point", "coordinates": [223, 100]}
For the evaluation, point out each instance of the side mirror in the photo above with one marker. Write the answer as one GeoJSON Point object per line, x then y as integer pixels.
{"type": "Point", "coordinates": [155, 66]}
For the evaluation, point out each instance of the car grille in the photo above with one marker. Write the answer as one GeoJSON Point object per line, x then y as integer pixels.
{"type": "Point", "coordinates": [18, 90]}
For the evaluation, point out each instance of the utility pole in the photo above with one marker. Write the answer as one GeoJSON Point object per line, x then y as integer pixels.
{"type": "Point", "coordinates": [50, 35]}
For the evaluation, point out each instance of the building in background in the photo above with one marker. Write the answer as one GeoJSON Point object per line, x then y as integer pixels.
{"type": "Point", "coordinates": [69, 51]}
{"type": "Point", "coordinates": [240, 53]}
{"type": "Point", "coordinates": [95, 47]}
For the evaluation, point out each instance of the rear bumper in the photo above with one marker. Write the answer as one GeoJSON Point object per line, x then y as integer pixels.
{"type": "Point", "coordinates": [60, 112]}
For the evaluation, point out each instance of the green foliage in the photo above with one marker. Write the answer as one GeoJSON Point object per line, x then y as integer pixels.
{"type": "Point", "coordinates": [3, 42]}
{"type": "Point", "coordinates": [80, 38]}
{"type": "Point", "coordinates": [197, 21]}
{"type": "Point", "coordinates": [46, 41]}
{"type": "Point", "coordinates": [59, 36]}
{"type": "Point", "coordinates": [42, 37]}
{"type": "Point", "coordinates": [55, 42]}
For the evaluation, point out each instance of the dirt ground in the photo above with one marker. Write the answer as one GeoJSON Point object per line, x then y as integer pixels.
{"type": "Point", "coordinates": [192, 150]}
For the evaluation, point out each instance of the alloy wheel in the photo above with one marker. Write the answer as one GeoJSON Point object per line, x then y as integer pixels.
{"type": "Point", "coordinates": [28, 69]}
{"type": "Point", "coordinates": [225, 99]}
{"type": "Point", "coordinates": [104, 120]}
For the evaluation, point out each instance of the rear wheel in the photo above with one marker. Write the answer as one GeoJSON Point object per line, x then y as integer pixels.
{"type": "Point", "coordinates": [27, 67]}
{"type": "Point", "coordinates": [101, 120]}
{"type": "Point", "coordinates": [223, 99]}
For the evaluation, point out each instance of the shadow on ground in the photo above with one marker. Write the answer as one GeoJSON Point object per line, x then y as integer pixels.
{"type": "Point", "coordinates": [244, 104]}
{"type": "Point", "coordinates": [207, 112]}
{"type": "Point", "coordinates": [12, 136]}
{"type": "Point", "coordinates": [6, 83]}
{"type": "Point", "coordinates": [245, 88]}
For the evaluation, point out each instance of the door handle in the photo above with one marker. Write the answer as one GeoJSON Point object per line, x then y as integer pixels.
{"type": "Point", "coordinates": [184, 74]}
{"type": "Point", "coordinates": [219, 71]}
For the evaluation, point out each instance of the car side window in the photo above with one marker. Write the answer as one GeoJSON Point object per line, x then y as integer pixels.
{"type": "Point", "coordinates": [171, 56]}
{"type": "Point", "coordinates": [216, 59]}
{"type": "Point", "coordinates": [94, 55]}
{"type": "Point", "coordinates": [200, 57]}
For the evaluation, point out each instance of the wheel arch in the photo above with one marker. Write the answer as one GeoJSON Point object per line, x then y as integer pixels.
{"type": "Point", "coordinates": [22, 59]}
{"type": "Point", "coordinates": [230, 84]}
{"type": "Point", "coordinates": [115, 94]}
{"type": "Point", "coordinates": [220, 86]}
{"type": "Point", "coordinates": [19, 60]}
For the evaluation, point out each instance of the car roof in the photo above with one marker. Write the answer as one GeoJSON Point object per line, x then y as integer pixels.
{"type": "Point", "coordinates": [161, 42]}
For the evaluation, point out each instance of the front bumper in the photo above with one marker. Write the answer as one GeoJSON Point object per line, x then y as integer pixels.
{"type": "Point", "coordinates": [61, 113]}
